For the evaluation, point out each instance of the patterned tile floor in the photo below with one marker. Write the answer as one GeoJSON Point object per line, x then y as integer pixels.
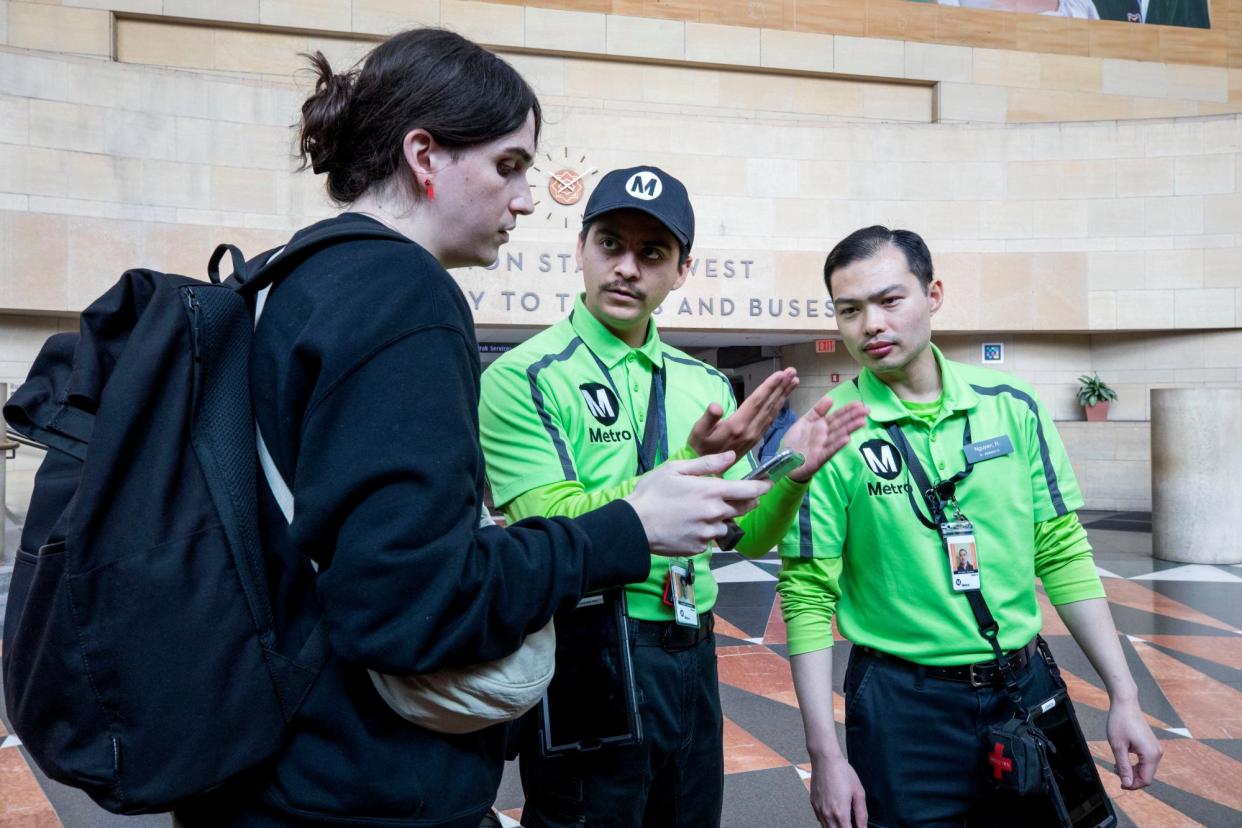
{"type": "Point", "coordinates": [1181, 630]}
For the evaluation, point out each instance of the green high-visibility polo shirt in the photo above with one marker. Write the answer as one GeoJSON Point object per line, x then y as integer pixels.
{"type": "Point", "coordinates": [572, 403]}
{"type": "Point", "coordinates": [860, 550]}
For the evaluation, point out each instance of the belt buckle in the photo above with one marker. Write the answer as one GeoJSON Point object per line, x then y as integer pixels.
{"type": "Point", "coordinates": [975, 680]}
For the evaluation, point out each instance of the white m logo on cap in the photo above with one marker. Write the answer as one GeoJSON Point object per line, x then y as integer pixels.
{"type": "Point", "coordinates": [644, 185]}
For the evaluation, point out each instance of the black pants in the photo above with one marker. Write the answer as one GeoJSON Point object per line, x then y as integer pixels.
{"type": "Point", "coordinates": [675, 778]}
{"type": "Point", "coordinates": [917, 744]}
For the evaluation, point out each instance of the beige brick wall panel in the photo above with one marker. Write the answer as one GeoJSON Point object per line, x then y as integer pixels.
{"type": "Point", "coordinates": [1144, 309]}
{"type": "Point", "coordinates": [1145, 176]}
{"type": "Point", "coordinates": [14, 120]}
{"type": "Point", "coordinates": [33, 259]}
{"type": "Point", "coordinates": [902, 21]}
{"type": "Point", "coordinates": [1173, 216]}
{"type": "Point", "coordinates": [875, 181]}
{"type": "Point", "coordinates": [565, 31]}
{"type": "Point", "coordinates": [897, 102]}
{"type": "Point", "coordinates": [1060, 35]}
{"type": "Point", "coordinates": [390, 16]}
{"type": "Point", "coordinates": [972, 102]}
{"type": "Point", "coordinates": [949, 220]}
{"type": "Point", "coordinates": [1222, 267]}
{"type": "Point", "coordinates": [140, 135]}
{"type": "Point", "coordinates": [771, 177]}
{"type": "Point", "coordinates": [1222, 214]}
{"type": "Point", "coordinates": [1041, 105]}
{"type": "Point", "coordinates": [260, 52]}
{"type": "Point", "coordinates": [177, 248]}
{"type": "Point", "coordinates": [585, 79]}
{"type": "Point", "coordinates": [1222, 135]}
{"type": "Point", "coordinates": [1006, 219]}
{"type": "Point", "coordinates": [933, 61]}
{"type": "Point", "coordinates": [824, 96]}
{"type": "Point", "coordinates": [67, 126]}
{"type": "Point", "coordinates": [488, 23]}
{"type": "Point", "coordinates": [1060, 219]}
{"type": "Point", "coordinates": [752, 13]}
{"type": "Point", "coordinates": [1114, 39]}
{"type": "Point", "coordinates": [1135, 78]}
{"type": "Point", "coordinates": [1007, 290]}
{"type": "Point", "coordinates": [1101, 310]}
{"type": "Point", "coordinates": [1203, 174]}
{"type": "Point", "coordinates": [676, 85]}
{"type": "Point", "coordinates": [1187, 45]}
{"type": "Point", "coordinates": [869, 57]}
{"type": "Point", "coordinates": [729, 45]}
{"type": "Point", "coordinates": [998, 67]}
{"type": "Point", "coordinates": [636, 37]}
{"type": "Point", "coordinates": [240, 11]}
{"type": "Point", "coordinates": [1222, 349]}
{"type": "Point", "coordinates": [132, 6]}
{"type": "Point", "coordinates": [846, 17]}
{"type": "Point", "coordinates": [25, 75]}
{"type": "Point", "coordinates": [4, 21]}
{"type": "Point", "coordinates": [980, 28]}
{"type": "Point", "coordinates": [1114, 217]}
{"type": "Point", "coordinates": [243, 190]}
{"type": "Point", "coordinates": [1209, 308]}
{"type": "Point", "coordinates": [31, 170]}
{"type": "Point", "coordinates": [1174, 138]}
{"type": "Point", "coordinates": [1116, 270]}
{"type": "Point", "coordinates": [546, 75]}
{"type": "Point", "coordinates": [341, 54]}
{"type": "Point", "coordinates": [780, 49]}
{"type": "Point", "coordinates": [99, 251]}
{"type": "Point", "coordinates": [1198, 83]}
{"type": "Point", "coordinates": [1180, 269]}
{"type": "Point", "coordinates": [177, 185]}
{"type": "Point", "coordinates": [1147, 108]}
{"type": "Point", "coordinates": [257, 146]}
{"type": "Point", "coordinates": [932, 181]}
{"type": "Point", "coordinates": [801, 217]}
{"type": "Point", "coordinates": [1060, 179]}
{"type": "Point", "coordinates": [1071, 73]}
{"type": "Point", "coordinates": [330, 15]}
{"type": "Point", "coordinates": [824, 179]}
{"type": "Point", "coordinates": [1060, 288]}
{"type": "Point", "coordinates": [60, 29]}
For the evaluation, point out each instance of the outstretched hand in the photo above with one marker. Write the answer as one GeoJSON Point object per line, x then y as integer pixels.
{"type": "Point", "coordinates": [742, 430]}
{"type": "Point", "coordinates": [818, 434]}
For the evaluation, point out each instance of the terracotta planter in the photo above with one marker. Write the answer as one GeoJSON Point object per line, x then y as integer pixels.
{"type": "Point", "coordinates": [1097, 413]}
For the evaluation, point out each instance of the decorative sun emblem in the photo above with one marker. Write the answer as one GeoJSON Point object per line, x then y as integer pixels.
{"type": "Point", "coordinates": [566, 187]}
{"type": "Point", "coordinates": [567, 184]}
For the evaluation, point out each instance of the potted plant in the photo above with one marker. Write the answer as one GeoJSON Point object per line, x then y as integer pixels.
{"type": "Point", "coordinates": [1094, 396]}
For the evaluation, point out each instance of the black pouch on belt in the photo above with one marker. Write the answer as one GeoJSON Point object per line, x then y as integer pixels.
{"type": "Point", "coordinates": [1018, 757]}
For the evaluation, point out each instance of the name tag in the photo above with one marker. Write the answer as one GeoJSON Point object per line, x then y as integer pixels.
{"type": "Point", "coordinates": [982, 450]}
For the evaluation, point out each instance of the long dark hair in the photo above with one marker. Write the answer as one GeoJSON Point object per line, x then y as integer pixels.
{"type": "Point", "coordinates": [353, 125]}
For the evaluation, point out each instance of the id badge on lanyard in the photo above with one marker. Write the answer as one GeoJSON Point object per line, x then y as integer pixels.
{"type": "Point", "coordinates": [963, 556]}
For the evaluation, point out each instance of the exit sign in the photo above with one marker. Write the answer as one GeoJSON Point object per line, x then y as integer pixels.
{"type": "Point", "coordinates": [825, 346]}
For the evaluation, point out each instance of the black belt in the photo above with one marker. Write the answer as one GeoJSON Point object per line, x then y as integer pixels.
{"type": "Point", "coordinates": [669, 634]}
{"type": "Point", "coordinates": [980, 674]}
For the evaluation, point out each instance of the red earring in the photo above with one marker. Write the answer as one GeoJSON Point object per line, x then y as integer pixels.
{"type": "Point", "coordinates": [431, 191]}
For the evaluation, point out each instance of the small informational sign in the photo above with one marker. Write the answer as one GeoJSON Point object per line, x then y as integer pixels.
{"type": "Point", "coordinates": [835, 377]}
{"type": "Point", "coordinates": [993, 353]}
{"type": "Point", "coordinates": [493, 348]}
{"type": "Point", "coordinates": [825, 346]}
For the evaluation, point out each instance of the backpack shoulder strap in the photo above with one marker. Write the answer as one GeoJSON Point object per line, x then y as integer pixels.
{"type": "Point", "coordinates": [268, 268]}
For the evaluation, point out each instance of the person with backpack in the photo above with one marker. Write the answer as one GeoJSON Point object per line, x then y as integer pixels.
{"type": "Point", "coordinates": [363, 374]}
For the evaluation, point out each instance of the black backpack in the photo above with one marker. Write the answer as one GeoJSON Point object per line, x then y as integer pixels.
{"type": "Point", "coordinates": [141, 660]}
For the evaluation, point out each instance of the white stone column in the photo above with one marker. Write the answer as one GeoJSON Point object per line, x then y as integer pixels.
{"type": "Point", "coordinates": [1196, 474]}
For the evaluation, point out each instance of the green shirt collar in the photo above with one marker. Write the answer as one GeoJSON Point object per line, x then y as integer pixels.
{"type": "Point", "coordinates": [886, 407]}
{"type": "Point", "coordinates": [604, 342]}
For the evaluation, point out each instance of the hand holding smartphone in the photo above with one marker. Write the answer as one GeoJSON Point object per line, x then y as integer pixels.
{"type": "Point", "coordinates": [775, 468]}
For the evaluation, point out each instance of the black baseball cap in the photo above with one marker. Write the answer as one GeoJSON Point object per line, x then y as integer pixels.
{"type": "Point", "coordinates": [650, 190]}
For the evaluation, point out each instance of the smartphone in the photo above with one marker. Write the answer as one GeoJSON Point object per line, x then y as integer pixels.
{"type": "Point", "coordinates": [1083, 802]}
{"type": "Point", "coordinates": [777, 466]}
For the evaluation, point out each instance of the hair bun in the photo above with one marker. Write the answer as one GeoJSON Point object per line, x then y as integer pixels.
{"type": "Point", "coordinates": [325, 116]}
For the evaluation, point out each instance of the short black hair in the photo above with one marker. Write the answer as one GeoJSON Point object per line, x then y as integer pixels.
{"type": "Point", "coordinates": [683, 252]}
{"type": "Point", "coordinates": [867, 242]}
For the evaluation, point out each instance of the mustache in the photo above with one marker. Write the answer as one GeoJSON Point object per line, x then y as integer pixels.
{"type": "Point", "coordinates": [622, 287]}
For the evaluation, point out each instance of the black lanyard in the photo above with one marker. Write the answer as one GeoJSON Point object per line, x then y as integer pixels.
{"type": "Point", "coordinates": [934, 495]}
{"type": "Point", "coordinates": [653, 444]}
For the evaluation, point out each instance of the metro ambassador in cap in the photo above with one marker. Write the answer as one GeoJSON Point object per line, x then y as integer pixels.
{"type": "Point", "coordinates": [569, 420]}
